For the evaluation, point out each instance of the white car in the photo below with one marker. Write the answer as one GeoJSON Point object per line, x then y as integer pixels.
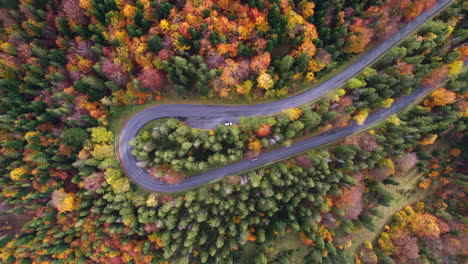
{"type": "Point", "coordinates": [253, 159]}
{"type": "Point", "coordinates": [227, 123]}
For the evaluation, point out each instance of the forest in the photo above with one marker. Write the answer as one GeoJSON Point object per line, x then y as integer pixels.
{"type": "Point", "coordinates": [184, 150]}
{"type": "Point", "coordinates": [394, 193]}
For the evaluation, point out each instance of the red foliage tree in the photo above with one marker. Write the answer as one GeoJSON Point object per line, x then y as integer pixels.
{"type": "Point", "coordinates": [213, 59]}
{"type": "Point", "coordinates": [454, 245]}
{"type": "Point", "coordinates": [263, 130]}
{"type": "Point", "coordinates": [303, 161]}
{"type": "Point", "coordinates": [351, 202]}
{"type": "Point", "coordinates": [406, 162]}
{"type": "Point", "coordinates": [165, 54]}
{"type": "Point", "coordinates": [74, 12]}
{"type": "Point", "coordinates": [5, 18]}
{"type": "Point", "coordinates": [93, 181]}
{"type": "Point", "coordinates": [152, 79]}
{"type": "Point", "coordinates": [380, 20]}
{"type": "Point", "coordinates": [172, 177]}
{"type": "Point", "coordinates": [365, 141]}
{"type": "Point", "coordinates": [243, 70]}
{"type": "Point", "coordinates": [83, 48]}
{"type": "Point", "coordinates": [24, 51]}
{"type": "Point", "coordinates": [406, 247]}
{"type": "Point", "coordinates": [150, 228]}
{"type": "Point", "coordinates": [115, 73]}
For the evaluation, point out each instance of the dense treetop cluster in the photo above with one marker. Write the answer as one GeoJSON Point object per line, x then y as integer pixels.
{"type": "Point", "coordinates": [141, 49]}
{"type": "Point", "coordinates": [172, 149]}
{"type": "Point", "coordinates": [65, 64]}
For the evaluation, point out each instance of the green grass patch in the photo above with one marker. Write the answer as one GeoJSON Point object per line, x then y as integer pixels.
{"type": "Point", "coordinates": [248, 252]}
{"type": "Point", "coordinates": [287, 242]}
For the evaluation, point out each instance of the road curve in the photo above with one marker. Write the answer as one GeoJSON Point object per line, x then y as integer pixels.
{"type": "Point", "coordinates": [209, 116]}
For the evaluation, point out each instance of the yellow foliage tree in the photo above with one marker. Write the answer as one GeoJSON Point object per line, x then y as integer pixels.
{"type": "Point", "coordinates": [425, 225]}
{"type": "Point", "coordinates": [455, 67]}
{"type": "Point", "coordinates": [164, 25]}
{"type": "Point", "coordinates": [265, 81]}
{"type": "Point", "coordinates": [429, 139]}
{"type": "Point", "coordinates": [294, 24]}
{"type": "Point", "coordinates": [101, 135]}
{"type": "Point", "coordinates": [387, 103]}
{"type": "Point", "coordinates": [325, 234]}
{"type": "Point", "coordinates": [8, 192]}
{"type": "Point", "coordinates": [152, 201]}
{"type": "Point", "coordinates": [121, 36]}
{"type": "Point", "coordinates": [315, 65]}
{"type": "Point", "coordinates": [389, 164]}
{"type": "Point", "coordinates": [245, 87]}
{"type": "Point", "coordinates": [393, 119]}
{"type": "Point", "coordinates": [155, 239]}
{"type": "Point", "coordinates": [310, 76]}
{"type": "Point", "coordinates": [8, 48]}
{"type": "Point", "coordinates": [361, 116]}
{"type": "Point", "coordinates": [17, 173]}
{"type": "Point", "coordinates": [293, 113]}
{"type": "Point", "coordinates": [424, 184]}
{"type": "Point", "coordinates": [5, 136]}
{"type": "Point", "coordinates": [64, 201]}
{"type": "Point", "coordinates": [118, 183]}
{"type": "Point", "coordinates": [385, 243]}
{"type": "Point", "coordinates": [102, 151]}
{"type": "Point", "coordinates": [341, 92]}
{"type": "Point", "coordinates": [367, 244]}
{"type": "Point", "coordinates": [367, 72]}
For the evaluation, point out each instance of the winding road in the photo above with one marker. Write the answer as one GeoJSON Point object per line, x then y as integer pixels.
{"type": "Point", "coordinates": [209, 116]}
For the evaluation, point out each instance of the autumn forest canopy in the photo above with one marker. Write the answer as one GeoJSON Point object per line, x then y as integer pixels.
{"type": "Point", "coordinates": [73, 71]}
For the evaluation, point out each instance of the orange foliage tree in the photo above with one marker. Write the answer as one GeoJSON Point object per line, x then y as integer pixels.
{"type": "Point", "coordinates": [442, 97]}
{"type": "Point", "coordinates": [362, 35]}
{"type": "Point", "coordinates": [255, 145]}
{"type": "Point", "coordinates": [464, 52]}
{"type": "Point", "coordinates": [259, 64]}
{"type": "Point", "coordinates": [436, 77]}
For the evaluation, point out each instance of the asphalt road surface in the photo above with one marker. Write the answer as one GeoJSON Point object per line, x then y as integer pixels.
{"type": "Point", "coordinates": [210, 116]}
